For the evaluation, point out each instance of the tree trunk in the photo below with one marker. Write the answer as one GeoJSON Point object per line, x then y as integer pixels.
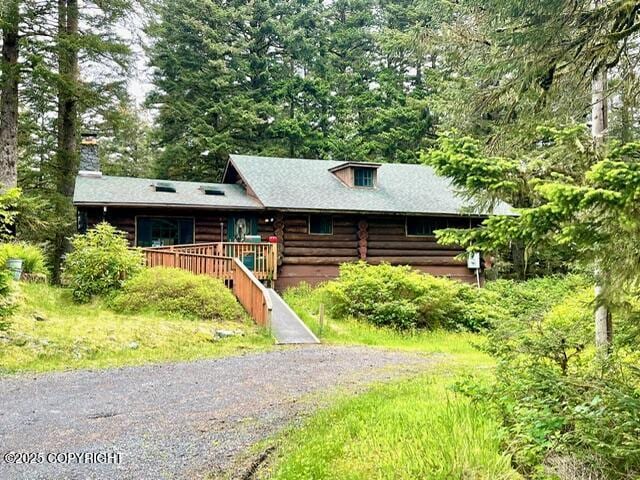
{"type": "Point", "coordinates": [67, 96]}
{"type": "Point", "coordinates": [67, 154]}
{"type": "Point", "coordinates": [9, 99]}
{"type": "Point", "coordinates": [598, 132]}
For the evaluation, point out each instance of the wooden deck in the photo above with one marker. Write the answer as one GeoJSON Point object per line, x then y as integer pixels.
{"type": "Point", "coordinates": [242, 267]}
{"type": "Point", "coordinates": [216, 259]}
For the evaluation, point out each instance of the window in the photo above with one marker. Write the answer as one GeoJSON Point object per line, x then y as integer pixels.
{"type": "Point", "coordinates": [165, 187]}
{"type": "Point", "coordinates": [321, 225]}
{"type": "Point", "coordinates": [424, 226]}
{"type": "Point", "coordinates": [162, 231]}
{"type": "Point", "coordinates": [363, 177]}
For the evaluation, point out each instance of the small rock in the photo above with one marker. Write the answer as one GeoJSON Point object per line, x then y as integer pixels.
{"type": "Point", "coordinates": [38, 317]}
{"type": "Point", "coordinates": [225, 333]}
{"type": "Point", "coordinates": [133, 345]}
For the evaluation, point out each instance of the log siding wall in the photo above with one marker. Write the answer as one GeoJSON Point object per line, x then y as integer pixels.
{"type": "Point", "coordinates": [314, 258]}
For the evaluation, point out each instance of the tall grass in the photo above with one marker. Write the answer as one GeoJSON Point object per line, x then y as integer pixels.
{"type": "Point", "coordinates": [415, 429]}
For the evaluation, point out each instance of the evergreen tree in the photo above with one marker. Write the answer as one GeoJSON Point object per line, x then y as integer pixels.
{"type": "Point", "coordinates": [336, 80]}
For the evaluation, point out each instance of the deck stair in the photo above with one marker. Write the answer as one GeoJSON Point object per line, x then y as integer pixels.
{"type": "Point", "coordinates": [264, 304]}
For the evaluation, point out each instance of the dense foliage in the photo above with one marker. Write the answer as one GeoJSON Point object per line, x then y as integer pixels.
{"type": "Point", "coordinates": [344, 80]}
{"type": "Point", "coordinates": [589, 210]}
{"type": "Point", "coordinates": [562, 411]}
{"type": "Point", "coordinates": [404, 298]}
{"type": "Point", "coordinates": [174, 291]}
{"type": "Point", "coordinates": [100, 262]}
{"type": "Point", "coordinates": [33, 258]}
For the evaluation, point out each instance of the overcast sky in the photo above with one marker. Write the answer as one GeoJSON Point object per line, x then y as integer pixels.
{"type": "Point", "coordinates": [139, 80]}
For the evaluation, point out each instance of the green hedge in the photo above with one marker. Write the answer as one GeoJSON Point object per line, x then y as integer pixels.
{"type": "Point", "coordinates": [404, 298]}
{"type": "Point", "coordinates": [174, 291]}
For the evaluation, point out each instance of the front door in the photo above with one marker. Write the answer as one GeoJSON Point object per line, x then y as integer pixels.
{"type": "Point", "coordinates": [241, 226]}
{"type": "Point", "coordinates": [237, 230]}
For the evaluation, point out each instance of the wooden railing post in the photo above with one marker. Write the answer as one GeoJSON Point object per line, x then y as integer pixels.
{"type": "Point", "coordinates": [274, 260]}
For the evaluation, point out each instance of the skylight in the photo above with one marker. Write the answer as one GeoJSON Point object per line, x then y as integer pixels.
{"type": "Point", "coordinates": [165, 187]}
{"type": "Point", "coordinates": [212, 191]}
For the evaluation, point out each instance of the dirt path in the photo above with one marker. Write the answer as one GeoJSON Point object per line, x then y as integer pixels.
{"type": "Point", "coordinates": [175, 420]}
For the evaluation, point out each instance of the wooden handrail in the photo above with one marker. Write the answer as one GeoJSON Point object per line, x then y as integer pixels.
{"type": "Point", "coordinates": [262, 255]}
{"type": "Point", "coordinates": [200, 264]}
{"type": "Point", "coordinates": [247, 288]}
{"type": "Point", "coordinates": [253, 296]}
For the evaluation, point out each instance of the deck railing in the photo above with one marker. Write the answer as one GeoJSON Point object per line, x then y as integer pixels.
{"type": "Point", "coordinates": [252, 294]}
{"type": "Point", "coordinates": [205, 259]}
{"type": "Point", "coordinates": [215, 258]}
{"type": "Point", "coordinates": [200, 264]}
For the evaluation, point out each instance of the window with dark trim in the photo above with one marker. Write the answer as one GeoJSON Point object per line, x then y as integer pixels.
{"type": "Point", "coordinates": [320, 224]}
{"type": "Point", "coordinates": [162, 231]}
{"type": "Point", "coordinates": [425, 226]}
{"type": "Point", "coordinates": [363, 177]}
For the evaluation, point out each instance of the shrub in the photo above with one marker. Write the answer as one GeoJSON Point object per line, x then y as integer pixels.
{"type": "Point", "coordinates": [533, 298]}
{"type": "Point", "coordinates": [31, 255]}
{"type": "Point", "coordinates": [404, 298]}
{"type": "Point", "coordinates": [170, 290]}
{"type": "Point", "coordinates": [7, 298]}
{"type": "Point", "coordinates": [100, 262]}
{"type": "Point", "coordinates": [556, 400]}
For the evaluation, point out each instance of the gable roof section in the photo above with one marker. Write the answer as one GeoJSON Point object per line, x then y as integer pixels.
{"type": "Point", "coordinates": [308, 185]}
{"type": "Point", "coordinates": [127, 191]}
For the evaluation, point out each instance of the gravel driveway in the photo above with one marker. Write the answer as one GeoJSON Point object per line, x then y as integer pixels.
{"type": "Point", "coordinates": [174, 420]}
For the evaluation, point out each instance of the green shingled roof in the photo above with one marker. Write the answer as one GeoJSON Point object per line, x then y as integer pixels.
{"type": "Point", "coordinates": [290, 184]}
{"type": "Point", "coordinates": [106, 190]}
{"type": "Point", "coordinates": [299, 184]}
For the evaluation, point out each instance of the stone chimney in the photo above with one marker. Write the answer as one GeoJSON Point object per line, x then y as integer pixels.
{"type": "Point", "coordinates": [89, 158]}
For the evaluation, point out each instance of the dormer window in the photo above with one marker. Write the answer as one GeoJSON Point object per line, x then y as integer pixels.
{"type": "Point", "coordinates": [363, 177]}
{"type": "Point", "coordinates": [357, 174]}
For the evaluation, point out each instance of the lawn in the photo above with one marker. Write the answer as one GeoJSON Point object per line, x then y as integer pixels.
{"type": "Point", "coordinates": [408, 429]}
{"type": "Point", "coordinates": [50, 332]}
{"type": "Point", "coordinates": [459, 345]}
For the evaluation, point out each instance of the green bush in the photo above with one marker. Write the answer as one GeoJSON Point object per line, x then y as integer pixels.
{"type": "Point", "coordinates": [404, 298]}
{"type": "Point", "coordinates": [100, 262]}
{"type": "Point", "coordinates": [531, 299]}
{"type": "Point", "coordinates": [556, 399]}
{"type": "Point", "coordinates": [7, 298]}
{"type": "Point", "coordinates": [32, 256]}
{"type": "Point", "coordinates": [170, 290]}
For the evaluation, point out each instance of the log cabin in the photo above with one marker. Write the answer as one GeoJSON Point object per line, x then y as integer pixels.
{"type": "Point", "coordinates": [321, 213]}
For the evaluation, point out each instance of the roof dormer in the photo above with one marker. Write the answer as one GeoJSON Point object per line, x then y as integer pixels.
{"type": "Point", "coordinates": [357, 174]}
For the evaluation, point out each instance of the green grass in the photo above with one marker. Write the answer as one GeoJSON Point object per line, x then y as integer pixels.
{"type": "Point", "coordinates": [413, 429]}
{"type": "Point", "coordinates": [463, 345]}
{"type": "Point", "coordinates": [92, 336]}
